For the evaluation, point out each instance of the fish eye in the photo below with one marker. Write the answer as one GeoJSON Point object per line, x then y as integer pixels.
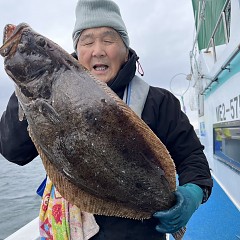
{"type": "Point", "coordinates": [41, 41]}
{"type": "Point", "coordinates": [21, 47]}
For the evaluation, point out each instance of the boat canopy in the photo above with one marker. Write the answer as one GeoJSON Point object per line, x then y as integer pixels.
{"type": "Point", "coordinates": [206, 14]}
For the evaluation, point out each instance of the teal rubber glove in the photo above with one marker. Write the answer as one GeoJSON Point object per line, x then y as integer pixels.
{"type": "Point", "coordinates": [188, 199]}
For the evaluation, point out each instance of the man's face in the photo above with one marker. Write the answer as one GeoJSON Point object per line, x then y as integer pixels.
{"type": "Point", "coordinates": [102, 52]}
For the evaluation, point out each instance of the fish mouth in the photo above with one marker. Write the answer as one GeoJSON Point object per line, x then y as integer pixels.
{"type": "Point", "coordinates": [11, 38]}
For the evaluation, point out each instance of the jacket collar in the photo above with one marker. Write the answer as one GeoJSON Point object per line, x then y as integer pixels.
{"type": "Point", "coordinates": [125, 74]}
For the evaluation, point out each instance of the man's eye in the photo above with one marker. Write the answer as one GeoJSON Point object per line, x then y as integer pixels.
{"type": "Point", "coordinates": [87, 43]}
{"type": "Point", "coordinates": [108, 41]}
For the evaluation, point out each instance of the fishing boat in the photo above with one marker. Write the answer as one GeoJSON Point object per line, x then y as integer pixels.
{"type": "Point", "coordinates": [215, 70]}
{"type": "Point", "coordinates": [215, 77]}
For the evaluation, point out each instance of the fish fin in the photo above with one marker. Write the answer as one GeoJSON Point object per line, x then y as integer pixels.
{"type": "Point", "coordinates": [48, 111]}
{"type": "Point", "coordinates": [8, 31]}
{"type": "Point", "coordinates": [21, 114]}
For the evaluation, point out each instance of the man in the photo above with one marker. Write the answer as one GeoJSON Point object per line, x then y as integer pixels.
{"type": "Point", "coordinates": [101, 44]}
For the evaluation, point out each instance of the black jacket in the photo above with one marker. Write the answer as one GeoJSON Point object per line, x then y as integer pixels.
{"type": "Point", "coordinates": [162, 113]}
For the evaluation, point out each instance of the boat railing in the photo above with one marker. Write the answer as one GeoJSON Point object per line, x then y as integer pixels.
{"type": "Point", "coordinates": [28, 232]}
{"type": "Point", "coordinates": [193, 54]}
{"type": "Point", "coordinates": [224, 67]}
{"type": "Point", "coordinates": [200, 20]}
{"type": "Point", "coordinates": [222, 18]}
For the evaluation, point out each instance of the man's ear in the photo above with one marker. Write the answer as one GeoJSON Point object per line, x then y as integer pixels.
{"type": "Point", "coordinates": [127, 55]}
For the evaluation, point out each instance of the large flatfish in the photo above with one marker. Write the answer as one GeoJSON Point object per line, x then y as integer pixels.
{"type": "Point", "coordinates": [99, 154]}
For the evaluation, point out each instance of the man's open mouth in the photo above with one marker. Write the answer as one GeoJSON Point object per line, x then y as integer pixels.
{"type": "Point", "coordinates": [100, 67]}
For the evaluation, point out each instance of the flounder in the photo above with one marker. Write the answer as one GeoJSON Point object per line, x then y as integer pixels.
{"type": "Point", "coordinates": [99, 154]}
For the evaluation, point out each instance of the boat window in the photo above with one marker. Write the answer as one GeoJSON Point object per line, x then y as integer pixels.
{"type": "Point", "coordinates": [226, 137]}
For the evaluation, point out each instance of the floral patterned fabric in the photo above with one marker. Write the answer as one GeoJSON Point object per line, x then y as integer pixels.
{"type": "Point", "coordinates": [60, 220]}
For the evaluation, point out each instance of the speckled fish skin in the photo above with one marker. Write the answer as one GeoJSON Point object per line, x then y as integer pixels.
{"type": "Point", "coordinates": [93, 146]}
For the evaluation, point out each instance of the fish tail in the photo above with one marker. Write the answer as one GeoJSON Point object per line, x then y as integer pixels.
{"type": "Point", "coordinates": [179, 234]}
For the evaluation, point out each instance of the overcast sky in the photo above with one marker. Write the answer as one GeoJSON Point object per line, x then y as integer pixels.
{"type": "Point", "coordinates": [161, 32]}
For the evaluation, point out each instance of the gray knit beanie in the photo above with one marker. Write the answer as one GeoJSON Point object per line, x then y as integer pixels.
{"type": "Point", "coordinates": [98, 13]}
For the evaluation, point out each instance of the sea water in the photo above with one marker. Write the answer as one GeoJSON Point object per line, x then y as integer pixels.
{"type": "Point", "coordinates": [19, 203]}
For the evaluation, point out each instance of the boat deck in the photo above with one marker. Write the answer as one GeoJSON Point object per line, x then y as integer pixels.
{"type": "Point", "coordinates": [217, 219]}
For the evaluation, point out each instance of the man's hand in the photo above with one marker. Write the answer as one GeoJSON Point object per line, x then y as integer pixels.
{"type": "Point", "coordinates": [188, 199]}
